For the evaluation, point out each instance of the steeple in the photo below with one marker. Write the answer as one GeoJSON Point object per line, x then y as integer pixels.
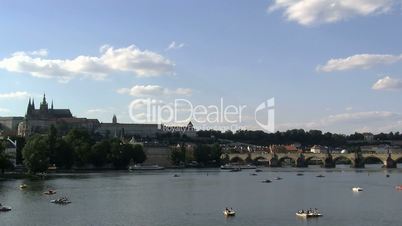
{"type": "Point", "coordinates": [51, 105]}
{"type": "Point", "coordinates": [114, 119]}
{"type": "Point", "coordinates": [44, 99]}
{"type": "Point", "coordinates": [44, 106]}
{"type": "Point", "coordinates": [29, 106]}
{"type": "Point", "coordinates": [33, 104]}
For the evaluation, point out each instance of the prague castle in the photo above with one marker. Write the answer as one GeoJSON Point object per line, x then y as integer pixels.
{"type": "Point", "coordinates": [38, 121]}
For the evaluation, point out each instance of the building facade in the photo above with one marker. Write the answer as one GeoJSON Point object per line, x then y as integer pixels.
{"type": "Point", "coordinates": [40, 120]}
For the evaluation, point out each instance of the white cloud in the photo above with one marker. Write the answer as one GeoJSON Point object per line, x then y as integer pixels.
{"type": "Point", "coordinates": [39, 52]}
{"type": "Point", "coordinates": [141, 103]}
{"type": "Point", "coordinates": [153, 90]}
{"type": "Point", "coordinates": [131, 59]}
{"type": "Point", "coordinates": [388, 83]}
{"type": "Point", "coordinates": [359, 61]}
{"type": "Point", "coordinates": [353, 120]}
{"type": "Point", "coordinates": [311, 12]}
{"type": "Point", "coordinates": [4, 110]}
{"type": "Point", "coordinates": [96, 111]}
{"type": "Point", "coordinates": [14, 95]}
{"type": "Point", "coordinates": [174, 45]}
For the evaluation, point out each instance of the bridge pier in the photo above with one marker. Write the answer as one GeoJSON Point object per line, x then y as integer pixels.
{"type": "Point", "coordinates": [358, 163]}
{"type": "Point", "coordinates": [274, 162]}
{"type": "Point", "coordinates": [329, 162]}
{"type": "Point", "coordinates": [389, 163]}
{"type": "Point", "coordinates": [301, 162]}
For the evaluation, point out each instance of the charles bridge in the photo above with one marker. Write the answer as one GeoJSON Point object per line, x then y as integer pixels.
{"type": "Point", "coordinates": [328, 160]}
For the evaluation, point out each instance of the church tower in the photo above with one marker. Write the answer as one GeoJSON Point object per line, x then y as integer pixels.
{"type": "Point", "coordinates": [44, 106]}
{"type": "Point", "coordinates": [29, 108]}
{"type": "Point", "coordinates": [114, 120]}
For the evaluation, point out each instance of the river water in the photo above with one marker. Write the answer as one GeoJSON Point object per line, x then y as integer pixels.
{"type": "Point", "coordinates": [198, 197]}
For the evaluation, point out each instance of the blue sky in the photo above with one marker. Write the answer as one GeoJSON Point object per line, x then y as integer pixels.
{"type": "Point", "coordinates": [242, 51]}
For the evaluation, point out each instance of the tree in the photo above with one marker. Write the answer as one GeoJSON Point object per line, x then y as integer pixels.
{"type": "Point", "coordinates": [51, 142]}
{"type": "Point", "coordinates": [138, 154]}
{"type": "Point", "coordinates": [178, 155]}
{"type": "Point", "coordinates": [63, 154]}
{"type": "Point", "coordinates": [120, 154]}
{"type": "Point", "coordinates": [36, 154]}
{"type": "Point", "coordinates": [5, 162]}
{"type": "Point", "coordinates": [216, 152]}
{"type": "Point", "coordinates": [99, 153]}
{"type": "Point", "coordinates": [20, 146]}
{"type": "Point", "coordinates": [80, 142]}
{"type": "Point", "coordinates": [202, 153]}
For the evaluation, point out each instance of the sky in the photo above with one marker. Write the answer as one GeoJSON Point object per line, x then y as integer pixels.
{"type": "Point", "coordinates": [333, 65]}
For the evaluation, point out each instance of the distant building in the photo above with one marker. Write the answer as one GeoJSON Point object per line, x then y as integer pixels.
{"type": "Point", "coordinates": [368, 137]}
{"type": "Point", "coordinates": [381, 148]}
{"type": "Point", "coordinates": [40, 120]}
{"type": "Point", "coordinates": [116, 129]}
{"type": "Point", "coordinates": [283, 149]}
{"type": "Point", "coordinates": [11, 148]}
{"type": "Point", "coordinates": [318, 149]}
{"type": "Point", "coordinates": [187, 130]}
{"type": "Point", "coordinates": [9, 125]}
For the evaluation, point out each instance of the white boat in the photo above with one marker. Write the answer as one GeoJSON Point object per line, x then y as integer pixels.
{"type": "Point", "coordinates": [229, 213]}
{"type": "Point", "coordinates": [308, 215]}
{"type": "Point", "coordinates": [357, 189]}
{"type": "Point", "coordinates": [62, 201]}
{"type": "Point", "coordinates": [4, 208]}
{"type": "Point", "coordinates": [231, 167]}
{"type": "Point", "coordinates": [145, 167]}
{"type": "Point", "coordinates": [49, 192]}
{"type": "Point", "coordinates": [23, 186]}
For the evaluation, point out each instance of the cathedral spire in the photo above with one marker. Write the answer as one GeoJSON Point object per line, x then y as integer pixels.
{"type": "Point", "coordinates": [29, 106]}
{"type": "Point", "coordinates": [44, 99]}
{"type": "Point", "coordinates": [33, 103]}
{"type": "Point", "coordinates": [44, 105]}
{"type": "Point", "coordinates": [52, 105]}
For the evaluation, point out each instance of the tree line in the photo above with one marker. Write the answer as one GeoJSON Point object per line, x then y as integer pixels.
{"type": "Point", "coordinates": [203, 154]}
{"type": "Point", "coordinates": [79, 149]}
{"type": "Point", "coordinates": [305, 138]}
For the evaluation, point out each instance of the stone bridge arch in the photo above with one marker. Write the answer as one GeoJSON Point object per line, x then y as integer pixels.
{"type": "Point", "coordinates": [372, 158]}
{"type": "Point", "coordinates": [309, 160]}
{"type": "Point", "coordinates": [261, 160]}
{"type": "Point", "coordinates": [237, 159]}
{"type": "Point", "coordinates": [337, 159]}
{"type": "Point", "coordinates": [282, 159]}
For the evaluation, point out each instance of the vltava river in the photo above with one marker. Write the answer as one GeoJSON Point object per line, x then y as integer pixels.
{"type": "Point", "coordinates": [198, 197]}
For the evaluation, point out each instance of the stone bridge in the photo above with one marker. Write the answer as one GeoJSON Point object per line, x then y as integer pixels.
{"type": "Point", "coordinates": [304, 159]}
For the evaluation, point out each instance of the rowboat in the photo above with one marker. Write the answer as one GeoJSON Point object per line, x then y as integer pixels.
{"type": "Point", "coordinates": [229, 213]}
{"type": "Point", "coordinates": [357, 189]}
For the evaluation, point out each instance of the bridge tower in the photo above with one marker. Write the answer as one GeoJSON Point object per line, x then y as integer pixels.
{"type": "Point", "coordinates": [358, 161]}
{"type": "Point", "coordinates": [389, 163]}
{"type": "Point", "coordinates": [329, 161]}
{"type": "Point", "coordinates": [274, 161]}
{"type": "Point", "coordinates": [301, 161]}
